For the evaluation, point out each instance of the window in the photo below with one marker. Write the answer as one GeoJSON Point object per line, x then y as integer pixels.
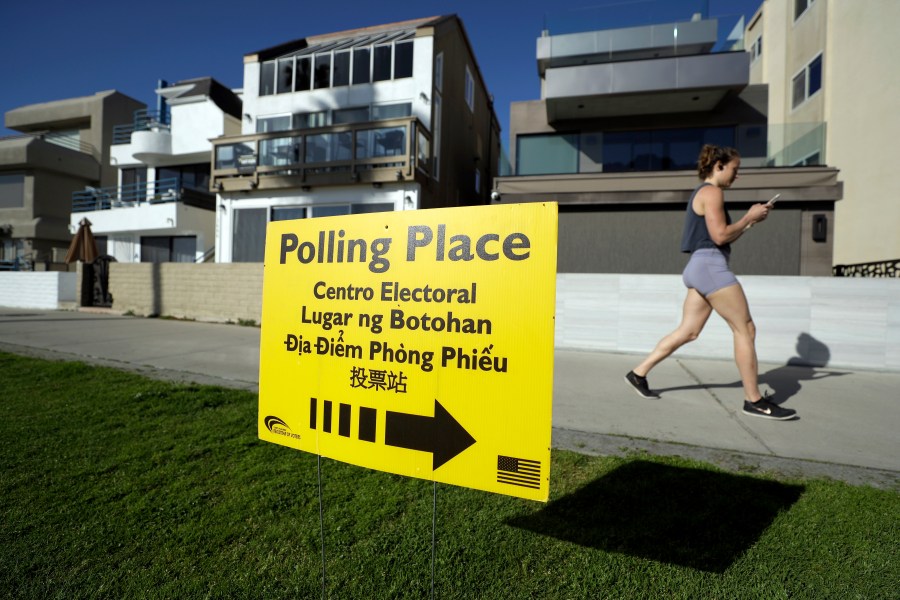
{"type": "Point", "coordinates": [470, 90]}
{"type": "Point", "coordinates": [616, 151]}
{"type": "Point", "coordinates": [303, 74]}
{"type": "Point", "coordinates": [381, 66]}
{"type": "Point", "coordinates": [439, 72]}
{"type": "Point", "coordinates": [168, 248]}
{"type": "Point", "coordinates": [807, 82]}
{"type": "Point", "coordinates": [341, 68]}
{"type": "Point", "coordinates": [267, 124]}
{"type": "Point", "coordinates": [323, 71]}
{"type": "Point", "coordinates": [311, 120]}
{"type": "Point", "coordinates": [403, 60]}
{"type": "Point", "coordinates": [436, 128]}
{"type": "Point", "coordinates": [362, 67]}
{"type": "Point", "coordinates": [800, 7]}
{"type": "Point", "coordinates": [267, 79]}
{"type": "Point", "coordinates": [391, 111]}
{"type": "Point", "coordinates": [248, 244]}
{"type": "Point", "coordinates": [12, 191]}
{"type": "Point", "coordinates": [358, 114]}
{"type": "Point", "coordinates": [249, 241]}
{"type": "Point", "coordinates": [350, 66]}
{"type": "Point", "coordinates": [134, 184]}
{"type": "Point", "coordinates": [545, 154]}
{"type": "Point", "coordinates": [756, 49]}
{"type": "Point", "coordinates": [285, 82]}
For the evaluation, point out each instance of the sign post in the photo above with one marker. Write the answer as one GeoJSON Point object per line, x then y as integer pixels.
{"type": "Point", "coordinates": [418, 343]}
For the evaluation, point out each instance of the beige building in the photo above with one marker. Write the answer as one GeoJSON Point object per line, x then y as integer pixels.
{"type": "Point", "coordinates": [63, 147]}
{"type": "Point", "coordinates": [833, 75]}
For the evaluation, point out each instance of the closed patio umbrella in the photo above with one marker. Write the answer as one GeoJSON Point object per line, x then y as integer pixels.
{"type": "Point", "coordinates": [83, 246]}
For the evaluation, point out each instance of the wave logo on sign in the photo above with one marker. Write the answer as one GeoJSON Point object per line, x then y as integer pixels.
{"type": "Point", "coordinates": [279, 427]}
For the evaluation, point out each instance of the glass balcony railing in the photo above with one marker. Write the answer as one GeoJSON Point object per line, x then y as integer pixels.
{"type": "Point", "coordinates": [144, 120]}
{"type": "Point", "coordinates": [399, 145]}
{"type": "Point", "coordinates": [153, 192]}
{"type": "Point", "coordinates": [625, 15]}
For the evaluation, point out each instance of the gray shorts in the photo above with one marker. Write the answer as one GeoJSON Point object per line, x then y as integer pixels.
{"type": "Point", "coordinates": [707, 271]}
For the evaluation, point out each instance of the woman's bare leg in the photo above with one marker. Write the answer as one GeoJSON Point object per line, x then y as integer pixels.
{"type": "Point", "coordinates": [694, 314]}
{"type": "Point", "coordinates": [731, 304]}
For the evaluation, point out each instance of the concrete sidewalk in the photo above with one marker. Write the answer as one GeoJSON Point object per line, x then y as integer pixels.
{"type": "Point", "coordinates": [849, 426]}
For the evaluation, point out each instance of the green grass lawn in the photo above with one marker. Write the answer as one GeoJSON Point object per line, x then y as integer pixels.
{"type": "Point", "coordinates": [117, 486]}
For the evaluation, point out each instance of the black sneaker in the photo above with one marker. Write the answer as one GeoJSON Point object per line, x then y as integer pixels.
{"type": "Point", "coordinates": [640, 385]}
{"type": "Point", "coordinates": [766, 410]}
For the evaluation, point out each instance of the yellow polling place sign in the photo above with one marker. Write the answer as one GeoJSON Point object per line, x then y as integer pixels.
{"type": "Point", "coordinates": [418, 343]}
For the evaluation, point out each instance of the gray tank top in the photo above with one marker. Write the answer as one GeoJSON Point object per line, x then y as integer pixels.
{"type": "Point", "coordinates": [696, 235]}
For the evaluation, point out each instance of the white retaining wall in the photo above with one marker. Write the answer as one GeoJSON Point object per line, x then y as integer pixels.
{"type": "Point", "coordinates": [841, 322]}
{"type": "Point", "coordinates": [21, 289]}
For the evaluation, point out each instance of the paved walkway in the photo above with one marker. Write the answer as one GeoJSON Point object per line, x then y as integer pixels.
{"type": "Point", "coordinates": [849, 426]}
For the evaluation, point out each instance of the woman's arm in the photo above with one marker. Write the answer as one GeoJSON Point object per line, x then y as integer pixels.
{"type": "Point", "coordinates": [712, 199]}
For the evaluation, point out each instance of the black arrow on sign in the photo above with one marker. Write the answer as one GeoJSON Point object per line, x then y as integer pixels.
{"type": "Point", "coordinates": [442, 435]}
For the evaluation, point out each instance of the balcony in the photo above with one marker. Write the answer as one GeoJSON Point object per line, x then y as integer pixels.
{"type": "Point", "coordinates": [667, 57]}
{"type": "Point", "coordinates": [144, 120]}
{"type": "Point", "coordinates": [133, 195]}
{"type": "Point", "coordinates": [372, 152]}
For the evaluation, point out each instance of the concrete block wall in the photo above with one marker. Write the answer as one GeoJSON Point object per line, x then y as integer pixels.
{"type": "Point", "coordinates": [205, 292]}
{"type": "Point", "coordinates": [46, 290]}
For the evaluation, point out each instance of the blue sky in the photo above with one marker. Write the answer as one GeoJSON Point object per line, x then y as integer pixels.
{"type": "Point", "coordinates": [60, 49]}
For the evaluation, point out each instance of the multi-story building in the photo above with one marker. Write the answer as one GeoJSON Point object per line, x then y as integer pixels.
{"type": "Point", "coordinates": [833, 81]}
{"type": "Point", "coordinates": [385, 118]}
{"type": "Point", "coordinates": [64, 147]}
{"type": "Point", "coordinates": [160, 208]}
{"type": "Point", "coordinates": [615, 137]}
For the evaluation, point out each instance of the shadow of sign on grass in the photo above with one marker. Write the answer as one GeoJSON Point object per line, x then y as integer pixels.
{"type": "Point", "coordinates": [689, 517]}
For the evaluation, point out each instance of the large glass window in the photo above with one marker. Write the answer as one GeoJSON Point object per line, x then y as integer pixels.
{"type": "Point", "coordinates": [12, 191]}
{"type": "Point", "coordinates": [616, 151]}
{"type": "Point", "coordinates": [381, 66]}
{"type": "Point", "coordinates": [545, 154]}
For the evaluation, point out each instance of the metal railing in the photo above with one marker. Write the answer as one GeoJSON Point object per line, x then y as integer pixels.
{"type": "Point", "coordinates": [400, 146]}
{"type": "Point", "coordinates": [58, 139]}
{"type": "Point", "coordinates": [883, 268]}
{"type": "Point", "coordinates": [90, 198]}
{"type": "Point", "coordinates": [144, 120]}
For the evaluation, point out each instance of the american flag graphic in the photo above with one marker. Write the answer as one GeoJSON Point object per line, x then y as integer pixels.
{"type": "Point", "coordinates": [519, 471]}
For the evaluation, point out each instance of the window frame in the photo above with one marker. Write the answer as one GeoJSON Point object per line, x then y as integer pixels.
{"type": "Point", "coordinates": [805, 73]}
{"type": "Point", "coordinates": [807, 4]}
